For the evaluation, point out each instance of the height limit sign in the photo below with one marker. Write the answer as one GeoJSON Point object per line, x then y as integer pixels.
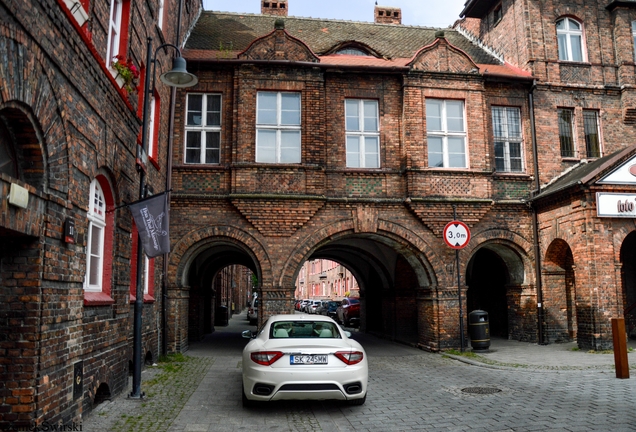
{"type": "Point", "coordinates": [456, 234]}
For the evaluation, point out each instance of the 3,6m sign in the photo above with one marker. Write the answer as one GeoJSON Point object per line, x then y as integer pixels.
{"type": "Point", "coordinates": [456, 234]}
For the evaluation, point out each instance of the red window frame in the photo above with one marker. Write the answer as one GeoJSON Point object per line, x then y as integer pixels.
{"type": "Point", "coordinates": [150, 296]}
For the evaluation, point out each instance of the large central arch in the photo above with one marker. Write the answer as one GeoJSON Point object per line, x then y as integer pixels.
{"type": "Point", "coordinates": [390, 270]}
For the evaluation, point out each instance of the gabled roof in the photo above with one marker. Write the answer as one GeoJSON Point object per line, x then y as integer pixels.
{"type": "Point", "coordinates": [230, 33]}
{"type": "Point", "coordinates": [586, 173]}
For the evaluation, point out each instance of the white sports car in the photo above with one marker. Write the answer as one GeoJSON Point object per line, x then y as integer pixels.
{"type": "Point", "coordinates": [303, 357]}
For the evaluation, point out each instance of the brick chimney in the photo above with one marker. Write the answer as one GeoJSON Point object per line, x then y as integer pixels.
{"type": "Point", "coordinates": [274, 7]}
{"type": "Point", "coordinates": [388, 15]}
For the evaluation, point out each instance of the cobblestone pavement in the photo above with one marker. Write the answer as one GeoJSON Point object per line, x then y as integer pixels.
{"type": "Point", "coordinates": [409, 389]}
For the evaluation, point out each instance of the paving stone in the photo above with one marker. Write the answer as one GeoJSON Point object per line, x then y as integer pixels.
{"type": "Point", "coordinates": [409, 389]}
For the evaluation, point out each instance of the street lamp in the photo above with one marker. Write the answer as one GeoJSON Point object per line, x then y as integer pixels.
{"type": "Point", "coordinates": [177, 77]}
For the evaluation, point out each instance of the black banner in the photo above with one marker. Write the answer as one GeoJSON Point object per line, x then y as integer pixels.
{"type": "Point", "coordinates": [151, 218]}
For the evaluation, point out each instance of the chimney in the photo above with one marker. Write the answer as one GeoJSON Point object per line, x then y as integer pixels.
{"type": "Point", "coordinates": [274, 7]}
{"type": "Point", "coordinates": [388, 15]}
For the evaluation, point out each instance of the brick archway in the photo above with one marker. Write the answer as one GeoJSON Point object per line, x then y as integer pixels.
{"type": "Point", "coordinates": [195, 260]}
{"type": "Point", "coordinates": [561, 315]}
{"type": "Point", "coordinates": [628, 282]}
{"type": "Point", "coordinates": [497, 276]}
{"type": "Point", "coordinates": [390, 264]}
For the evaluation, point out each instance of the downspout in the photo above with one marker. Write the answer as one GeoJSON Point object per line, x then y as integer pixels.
{"type": "Point", "coordinates": [535, 220]}
{"type": "Point", "coordinates": [164, 279]}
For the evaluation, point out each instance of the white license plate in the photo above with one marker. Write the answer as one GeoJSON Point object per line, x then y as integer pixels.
{"type": "Point", "coordinates": [308, 359]}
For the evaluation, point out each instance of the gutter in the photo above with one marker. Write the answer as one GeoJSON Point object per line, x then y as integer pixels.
{"type": "Point", "coordinates": [535, 219]}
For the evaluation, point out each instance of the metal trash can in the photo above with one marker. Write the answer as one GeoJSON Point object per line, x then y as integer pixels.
{"type": "Point", "coordinates": [479, 330]}
{"type": "Point", "coordinates": [221, 318]}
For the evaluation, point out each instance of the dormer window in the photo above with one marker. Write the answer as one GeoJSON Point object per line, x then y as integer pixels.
{"type": "Point", "coordinates": [352, 51]}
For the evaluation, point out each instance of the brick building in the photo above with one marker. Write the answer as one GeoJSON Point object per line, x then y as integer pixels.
{"type": "Point", "coordinates": [70, 131]}
{"type": "Point", "coordinates": [325, 279]}
{"type": "Point", "coordinates": [356, 142]}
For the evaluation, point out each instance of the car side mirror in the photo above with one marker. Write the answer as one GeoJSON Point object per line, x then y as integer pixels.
{"type": "Point", "coordinates": [347, 334]}
{"type": "Point", "coordinates": [248, 334]}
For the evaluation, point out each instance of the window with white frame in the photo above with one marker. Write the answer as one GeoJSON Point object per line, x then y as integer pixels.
{"type": "Point", "coordinates": [160, 14]}
{"type": "Point", "coordinates": [446, 133]}
{"type": "Point", "coordinates": [203, 129]}
{"type": "Point", "coordinates": [592, 134]}
{"type": "Point", "coordinates": [570, 40]}
{"type": "Point", "coordinates": [95, 243]}
{"type": "Point", "coordinates": [363, 133]}
{"type": "Point", "coordinates": [146, 275]}
{"type": "Point", "coordinates": [114, 30]}
{"type": "Point", "coordinates": [152, 126]}
{"type": "Point", "coordinates": [278, 132]}
{"type": "Point", "coordinates": [506, 125]}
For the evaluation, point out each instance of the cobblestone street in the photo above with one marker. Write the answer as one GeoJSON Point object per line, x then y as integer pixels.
{"type": "Point", "coordinates": [409, 389]}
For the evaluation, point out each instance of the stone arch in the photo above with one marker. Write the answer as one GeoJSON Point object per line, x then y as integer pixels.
{"type": "Point", "coordinates": [561, 315]}
{"type": "Point", "coordinates": [22, 137]}
{"type": "Point", "coordinates": [418, 252]}
{"type": "Point", "coordinates": [390, 263]}
{"type": "Point", "coordinates": [193, 243]}
{"type": "Point", "coordinates": [28, 100]}
{"type": "Point", "coordinates": [497, 279]}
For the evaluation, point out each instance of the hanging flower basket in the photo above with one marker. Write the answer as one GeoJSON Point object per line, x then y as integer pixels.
{"type": "Point", "coordinates": [127, 73]}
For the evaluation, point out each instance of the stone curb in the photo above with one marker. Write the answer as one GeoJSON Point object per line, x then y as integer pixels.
{"type": "Point", "coordinates": [529, 368]}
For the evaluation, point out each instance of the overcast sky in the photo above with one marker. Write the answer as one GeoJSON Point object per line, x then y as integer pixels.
{"type": "Point", "coordinates": [426, 13]}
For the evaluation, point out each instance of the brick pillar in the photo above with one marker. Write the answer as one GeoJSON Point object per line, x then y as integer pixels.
{"type": "Point", "coordinates": [438, 317]}
{"type": "Point", "coordinates": [427, 311]}
{"type": "Point", "coordinates": [177, 318]}
{"type": "Point", "coordinates": [274, 301]}
{"type": "Point", "coordinates": [522, 312]}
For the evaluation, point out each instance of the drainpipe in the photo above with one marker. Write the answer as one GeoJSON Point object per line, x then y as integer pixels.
{"type": "Point", "coordinates": [535, 221]}
{"type": "Point", "coordinates": [164, 279]}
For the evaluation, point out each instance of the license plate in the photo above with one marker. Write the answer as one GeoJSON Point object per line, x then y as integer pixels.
{"type": "Point", "coordinates": [308, 359]}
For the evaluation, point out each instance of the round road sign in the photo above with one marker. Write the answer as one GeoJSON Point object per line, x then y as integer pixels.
{"type": "Point", "coordinates": [456, 234]}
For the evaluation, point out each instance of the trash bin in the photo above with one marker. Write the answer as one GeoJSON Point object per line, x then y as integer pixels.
{"type": "Point", "coordinates": [221, 318]}
{"type": "Point", "coordinates": [479, 330]}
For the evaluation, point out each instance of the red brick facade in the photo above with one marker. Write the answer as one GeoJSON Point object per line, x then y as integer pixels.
{"type": "Point", "coordinates": [541, 260]}
{"type": "Point", "coordinates": [65, 122]}
{"type": "Point", "coordinates": [385, 224]}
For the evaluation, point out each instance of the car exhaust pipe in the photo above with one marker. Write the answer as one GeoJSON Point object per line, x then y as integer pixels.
{"type": "Point", "coordinates": [263, 389]}
{"type": "Point", "coordinates": [354, 388]}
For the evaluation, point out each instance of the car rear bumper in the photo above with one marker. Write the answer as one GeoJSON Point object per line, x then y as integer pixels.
{"type": "Point", "coordinates": [348, 384]}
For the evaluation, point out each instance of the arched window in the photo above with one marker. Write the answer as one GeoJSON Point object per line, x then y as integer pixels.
{"type": "Point", "coordinates": [99, 244]}
{"type": "Point", "coordinates": [570, 40]}
{"type": "Point", "coordinates": [95, 243]}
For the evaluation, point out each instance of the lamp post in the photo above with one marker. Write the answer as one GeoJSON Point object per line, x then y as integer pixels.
{"type": "Point", "coordinates": [177, 77]}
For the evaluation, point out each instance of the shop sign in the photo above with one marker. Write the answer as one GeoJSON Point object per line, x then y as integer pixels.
{"type": "Point", "coordinates": [616, 205]}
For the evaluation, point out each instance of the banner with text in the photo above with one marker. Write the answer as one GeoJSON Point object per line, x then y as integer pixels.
{"type": "Point", "coordinates": [151, 218]}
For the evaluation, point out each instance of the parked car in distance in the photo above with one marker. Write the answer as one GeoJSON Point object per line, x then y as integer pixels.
{"type": "Point", "coordinates": [303, 305]}
{"type": "Point", "coordinates": [294, 357]}
{"type": "Point", "coordinates": [311, 307]}
{"type": "Point", "coordinates": [329, 308]}
{"type": "Point", "coordinates": [348, 313]}
{"type": "Point", "coordinates": [252, 311]}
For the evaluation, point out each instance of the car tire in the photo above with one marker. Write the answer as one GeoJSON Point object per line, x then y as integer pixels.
{"type": "Point", "coordinates": [246, 402]}
{"type": "Point", "coordinates": [357, 402]}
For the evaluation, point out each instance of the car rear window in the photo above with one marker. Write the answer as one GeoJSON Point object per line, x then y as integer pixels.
{"type": "Point", "coordinates": [304, 329]}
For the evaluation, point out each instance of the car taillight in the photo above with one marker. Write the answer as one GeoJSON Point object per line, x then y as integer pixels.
{"type": "Point", "coordinates": [350, 357]}
{"type": "Point", "coordinates": [266, 358]}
